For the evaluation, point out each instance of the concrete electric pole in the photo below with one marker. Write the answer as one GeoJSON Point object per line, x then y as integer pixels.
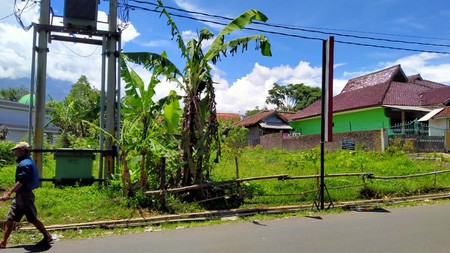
{"type": "Point", "coordinates": [41, 81]}
{"type": "Point", "coordinates": [112, 55]}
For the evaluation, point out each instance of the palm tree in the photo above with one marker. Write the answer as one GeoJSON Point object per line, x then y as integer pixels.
{"type": "Point", "coordinates": [199, 126]}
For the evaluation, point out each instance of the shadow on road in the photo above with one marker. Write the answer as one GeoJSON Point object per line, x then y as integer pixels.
{"type": "Point", "coordinates": [257, 223]}
{"type": "Point", "coordinates": [369, 209]}
{"type": "Point", "coordinates": [32, 248]}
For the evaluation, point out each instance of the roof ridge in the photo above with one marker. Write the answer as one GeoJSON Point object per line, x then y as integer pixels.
{"type": "Point", "coordinates": [372, 73]}
{"type": "Point", "coordinates": [425, 80]}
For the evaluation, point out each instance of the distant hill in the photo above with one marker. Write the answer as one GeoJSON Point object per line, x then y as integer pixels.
{"type": "Point", "coordinates": [55, 89]}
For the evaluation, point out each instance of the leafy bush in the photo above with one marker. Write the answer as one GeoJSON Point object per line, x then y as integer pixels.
{"type": "Point", "coordinates": [6, 155]}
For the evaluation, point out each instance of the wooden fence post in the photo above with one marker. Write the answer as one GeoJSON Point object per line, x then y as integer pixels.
{"type": "Point", "coordinates": [162, 186]}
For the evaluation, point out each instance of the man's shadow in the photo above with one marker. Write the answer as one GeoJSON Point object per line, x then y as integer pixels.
{"type": "Point", "coordinates": [32, 248]}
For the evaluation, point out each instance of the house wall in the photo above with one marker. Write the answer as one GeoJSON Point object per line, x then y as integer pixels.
{"type": "Point", "coordinates": [353, 121]}
{"type": "Point", "coordinates": [366, 140]}
{"type": "Point", "coordinates": [15, 116]}
{"type": "Point", "coordinates": [253, 135]}
{"type": "Point", "coordinates": [436, 126]}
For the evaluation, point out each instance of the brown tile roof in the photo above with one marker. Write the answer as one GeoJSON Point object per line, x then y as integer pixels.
{"type": "Point", "coordinates": [286, 115]}
{"type": "Point", "coordinates": [372, 79]}
{"type": "Point", "coordinates": [385, 87]}
{"type": "Point", "coordinates": [255, 119]}
{"type": "Point", "coordinates": [350, 100]}
{"type": "Point", "coordinates": [415, 77]}
{"type": "Point", "coordinates": [435, 97]}
{"type": "Point", "coordinates": [443, 114]}
{"type": "Point", "coordinates": [404, 94]}
{"type": "Point", "coordinates": [430, 84]}
{"type": "Point", "coordinates": [235, 117]}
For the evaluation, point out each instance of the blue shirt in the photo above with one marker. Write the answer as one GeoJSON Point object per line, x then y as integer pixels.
{"type": "Point", "coordinates": [27, 174]}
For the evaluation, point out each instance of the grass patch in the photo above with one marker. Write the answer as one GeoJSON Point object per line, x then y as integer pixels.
{"type": "Point", "coordinates": [67, 205]}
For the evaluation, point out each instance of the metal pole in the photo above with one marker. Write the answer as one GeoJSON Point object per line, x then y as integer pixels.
{"type": "Point", "coordinates": [41, 80]}
{"type": "Point", "coordinates": [118, 98]}
{"type": "Point", "coordinates": [33, 73]}
{"type": "Point", "coordinates": [102, 109]}
{"type": "Point", "coordinates": [111, 87]}
{"type": "Point", "coordinates": [322, 130]}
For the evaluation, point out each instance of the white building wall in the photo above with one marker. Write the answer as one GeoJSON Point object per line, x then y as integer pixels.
{"type": "Point", "coordinates": [436, 127]}
{"type": "Point", "coordinates": [15, 116]}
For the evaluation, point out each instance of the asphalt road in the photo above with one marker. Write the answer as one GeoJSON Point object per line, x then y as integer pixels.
{"type": "Point", "coordinates": [421, 229]}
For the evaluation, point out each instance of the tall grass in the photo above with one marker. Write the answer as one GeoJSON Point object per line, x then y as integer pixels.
{"type": "Point", "coordinates": [258, 162]}
{"type": "Point", "coordinates": [63, 205]}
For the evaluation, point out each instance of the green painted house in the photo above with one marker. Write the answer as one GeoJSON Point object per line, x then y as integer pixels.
{"type": "Point", "coordinates": [377, 100]}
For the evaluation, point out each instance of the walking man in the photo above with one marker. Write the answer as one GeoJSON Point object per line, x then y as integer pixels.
{"type": "Point", "coordinates": [27, 179]}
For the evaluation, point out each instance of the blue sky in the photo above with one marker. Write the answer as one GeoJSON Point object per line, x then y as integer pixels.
{"type": "Point", "coordinates": [244, 79]}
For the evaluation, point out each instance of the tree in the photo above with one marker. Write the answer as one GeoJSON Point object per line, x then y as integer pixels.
{"type": "Point", "coordinates": [142, 131]}
{"type": "Point", "coordinates": [82, 104]}
{"type": "Point", "coordinates": [253, 111]}
{"type": "Point", "coordinates": [293, 97]}
{"type": "Point", "coordinates": [199, 127]}
{"type": "Point", "coordinates": [13, 94]}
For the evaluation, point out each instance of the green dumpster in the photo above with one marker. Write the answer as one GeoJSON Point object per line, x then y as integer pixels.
{"type": "Point", "coordinates": [73, 166]}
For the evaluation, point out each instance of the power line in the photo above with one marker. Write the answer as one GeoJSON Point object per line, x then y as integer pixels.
{"type": "Point", "coordinates": [5, 17]}
{"type": "Point", "coordinates": [312, 29]}
{"type": "Point", "coordinates": [19, 13]}
{"type": "Point", "coordinates": [132, 7]}
{"type": "Point", "coordinates": [84, 56]}
{"type": "Point", "coordinates": [369, 32]}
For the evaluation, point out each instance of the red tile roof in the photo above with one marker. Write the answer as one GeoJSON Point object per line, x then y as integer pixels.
{"type": "Point", "coordinates": [385, 87]}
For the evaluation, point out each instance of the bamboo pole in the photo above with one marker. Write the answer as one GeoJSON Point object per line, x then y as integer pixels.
{"type": "Point", "coordinates": [410, 176]}
{"type": "Point", "coordinates": [287, 177]}
{"type": "Point", "coordinates": [199, 186]}
{"type": "Point", "coordinates": [329, 175]}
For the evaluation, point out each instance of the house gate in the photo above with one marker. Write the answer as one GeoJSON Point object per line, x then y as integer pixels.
{"type": "Point", "coordinates": [423, 137]}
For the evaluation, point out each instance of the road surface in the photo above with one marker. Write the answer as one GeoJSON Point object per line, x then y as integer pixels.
{"type": "Point", "coordinates": [420, 229]}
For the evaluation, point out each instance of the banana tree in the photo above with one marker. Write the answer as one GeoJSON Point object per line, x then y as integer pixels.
{"type": "Point", "coordinates": [142, 131]}
{"type": "Point", "coordinates": [199, 127]}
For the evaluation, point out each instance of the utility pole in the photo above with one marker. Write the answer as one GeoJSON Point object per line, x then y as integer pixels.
{"type": "Point", "coordinates": [112, 55]}
{"type": "Point", "coordinates": [41, 81]}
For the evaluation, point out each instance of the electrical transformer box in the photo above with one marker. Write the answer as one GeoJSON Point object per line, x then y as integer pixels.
{"type": "Point", "coordinates": [80, 14]}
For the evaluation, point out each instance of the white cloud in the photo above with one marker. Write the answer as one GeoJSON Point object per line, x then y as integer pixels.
{"type": "Point", "coordinates": [187, 5]}
{"type": "Point", "coordinates": [157, 43]}
{"type": "Point", "coordinates": [433, 67]}
{"type": "Point", "coordinates": [430, 66]}
{"type": "Point", "coordinates": [250, 91]}
{"type": "Point", "coordinates": [189, 35]}
{"type": "Point", "coordinates": [15, 49]}
{"type": "Point", "coordinates": [162, 89]}
{"type": "Point", "coordinates": [66, 61]}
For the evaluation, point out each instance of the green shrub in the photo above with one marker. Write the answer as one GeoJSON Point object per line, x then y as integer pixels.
{"type": "Point", "coordinates": [6, 155]}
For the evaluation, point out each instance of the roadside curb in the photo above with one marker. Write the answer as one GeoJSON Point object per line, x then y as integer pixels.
{"type": "Point", "coordinates": [211, 215]}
